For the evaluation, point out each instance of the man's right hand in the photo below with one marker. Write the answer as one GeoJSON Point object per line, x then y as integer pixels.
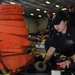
{"type": "Point", "coordinates": [49, 54]}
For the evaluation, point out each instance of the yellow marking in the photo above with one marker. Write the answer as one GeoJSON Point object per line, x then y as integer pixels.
{"type": "Point", "coordinates": [7, 74]}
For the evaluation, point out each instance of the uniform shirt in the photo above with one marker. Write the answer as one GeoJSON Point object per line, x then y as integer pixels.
{"type": "Point", "coordinates": [64, 43]}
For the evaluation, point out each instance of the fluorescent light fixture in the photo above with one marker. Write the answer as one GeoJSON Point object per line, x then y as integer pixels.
{"type": "Point", "coordinates": [45, 11]}
{"type": "Point", "coordinates": [12, 3]}
{"type": "Point", "coordinates": [31, 14]}
{"type": "Point", "coordinates": [64, 8]}
{"type": "Point", "coordinates": [38, 9]}
{"type": "Point", "coordinates": [40, 16]}
{"type": "Point", "coordinates": [57, 6]}
{"type": "Point", "coordinates": [47, 2]}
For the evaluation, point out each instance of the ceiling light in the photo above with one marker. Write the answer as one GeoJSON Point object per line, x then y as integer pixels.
{"type": "Point", "coordinates": [47, 2]}
{"type": "Point", "coordinates": [45, 11]}
{"type": "Point", "coordinates": [23, 12]}
{"type": "Point", "coordinates": [31, 14]}
{"type": "Point", "coordinates": [38, 9]}
{"type": "Point", "coordinates": [12, 3]}
{"type": "Point", "coordinates": [53, 13]}
{"type": "Point", "coordinates": [64, 8]}
{"type": "Point", "coordinates": [57, 6]}
{"type": "Point", "coordinates": [40, 16]}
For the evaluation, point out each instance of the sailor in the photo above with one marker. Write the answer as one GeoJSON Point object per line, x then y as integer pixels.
{"type": "Point", "coordinates": [63, 41]}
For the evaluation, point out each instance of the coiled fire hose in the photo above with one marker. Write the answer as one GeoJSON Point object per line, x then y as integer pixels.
{"type": "Point", "coordinates": [14, 41]}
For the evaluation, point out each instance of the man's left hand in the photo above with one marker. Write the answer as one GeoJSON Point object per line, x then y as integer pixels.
{"type": "Point", "coordinates": [64, 64]}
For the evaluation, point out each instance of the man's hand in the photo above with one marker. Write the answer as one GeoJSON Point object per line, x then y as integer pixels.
{"type": "Point", "coordinates": [73, 57]}
{"type": "Point", "coordinates": [49, 54]}
{"type": "Point", "coordinates": [64, 64]}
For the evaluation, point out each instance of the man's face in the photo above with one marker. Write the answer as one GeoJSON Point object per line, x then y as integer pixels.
{"type": "Point", "coordinates": [61, 26]}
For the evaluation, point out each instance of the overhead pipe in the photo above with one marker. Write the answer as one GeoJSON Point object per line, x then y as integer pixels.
{"type": "Point", "coordinates": [23, 2]}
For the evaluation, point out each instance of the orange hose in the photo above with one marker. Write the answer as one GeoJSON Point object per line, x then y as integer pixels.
{"type": "Point", "coordinates": [14, 30]}
{"type": "Point", "coordinates": [1, 66]}
{"type": "Point", "coordinates": [19, 50]}
{"type": "Point", "coordinates": [13, 38]}
{"type": "Point", "coordinates": [13, 23]}
{"type": "Point", "coordinates": [5, 54]}
{"type": "Point", "coordinates": [9, 7]}
{"type": "Point", "coordinates": [17, 61]}
{"type": "Point", "coordinates": [11, 17]}
{"type": "Point", "coordinates": [11, 12]}
{"type": "Point", "coordinates": [4, 44]}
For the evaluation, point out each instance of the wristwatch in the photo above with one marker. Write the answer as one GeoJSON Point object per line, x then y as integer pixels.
{"type": "Point", "coordinates": [70, 59]}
